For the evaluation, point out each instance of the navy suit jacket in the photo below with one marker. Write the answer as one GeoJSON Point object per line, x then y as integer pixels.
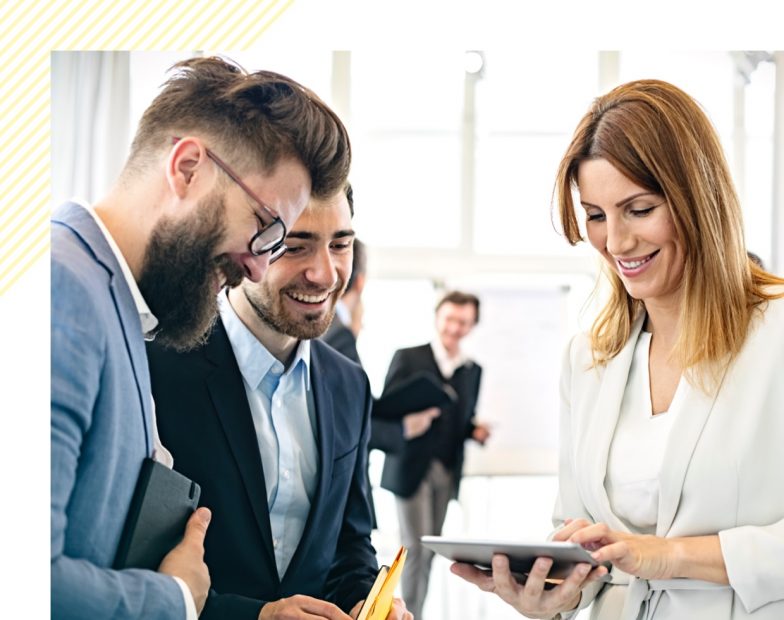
{"type": "Point", "coordinates": [385, 435]}
{"type": "Point", "coordinates": [100, 429]}
{"type": "Point", "coordinates": [205, 421]}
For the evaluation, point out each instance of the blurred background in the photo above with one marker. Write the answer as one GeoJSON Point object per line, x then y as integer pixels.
{"type": "Point", "coordinates": [455, 154]}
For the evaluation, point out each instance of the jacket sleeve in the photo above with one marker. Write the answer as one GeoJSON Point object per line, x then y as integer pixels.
{"type": "Point", "coordinates": [754, 558]}
{"type": "Point", "coordinates": [470, 426]}
{"type": "Point", "coordinates": [399, 370]}
{"type": "Point", "coordinates": [80, 589]}
{"type": "Point", "coordinates": [387, 436]}
{"type": "Point", "coordinates": [568, 503]}
{"type": "Point", "coordinates": [754, 550]}
{"type": "Point", "coordinates": [231, 607]}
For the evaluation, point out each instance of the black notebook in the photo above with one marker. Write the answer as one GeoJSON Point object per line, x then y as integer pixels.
{"type": "Point", "coordinates": [421, 391]}
{"type": "Point", "coordinates": [162, 503]}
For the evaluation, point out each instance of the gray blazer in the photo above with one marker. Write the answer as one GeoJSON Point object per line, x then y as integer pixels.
{"type": "Point", "coordinates": [101, 429]}
{"type": "Point", "coordinates": [722, 473]}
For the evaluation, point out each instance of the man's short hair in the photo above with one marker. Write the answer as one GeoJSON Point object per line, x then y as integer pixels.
{"type": "Point", "coordinates": [252, 120]}
{"type": "Point", "coordinates": [349, 197]}
{"type": "Point", "coordinates": [358, 264]}
{"type": "Point", "coordinates": [460, 299]}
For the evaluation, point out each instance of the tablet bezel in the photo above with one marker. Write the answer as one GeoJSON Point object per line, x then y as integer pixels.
{"type": "Point", "coordinates": [521, 555]}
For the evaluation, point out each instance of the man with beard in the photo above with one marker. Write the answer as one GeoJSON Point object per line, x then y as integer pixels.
{"type": "Point", "coordinates": [148, 259]}
{"type": "Point", "coordinates": [274, 424]}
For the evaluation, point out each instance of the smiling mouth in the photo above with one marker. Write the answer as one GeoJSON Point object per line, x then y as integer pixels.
{"type": "Point", "coordinates": [310, 299]}
{"type": "Point", "coordinates": [636, 263]}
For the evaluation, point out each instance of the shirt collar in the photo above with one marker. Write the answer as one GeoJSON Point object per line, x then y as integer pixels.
{"type": "Point", "coordinates": [146, 317]}
{"type": "Point", "coordinates": [446, 364]}
{"type": "Point", "coordinates": [253, 358]}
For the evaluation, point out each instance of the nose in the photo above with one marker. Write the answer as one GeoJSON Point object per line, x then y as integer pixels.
{"type": "Point", "coordinates": [254, 266]}
{"type": "Point", "coordinates": [620, 240]}
{"type": "Point", "coordinates": [321, 269]}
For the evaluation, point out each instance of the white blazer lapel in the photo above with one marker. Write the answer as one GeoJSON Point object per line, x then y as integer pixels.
{"type": "Point", "coordinates": [693, 412]}
{"type": "Point", "coordinates": [594, 445]}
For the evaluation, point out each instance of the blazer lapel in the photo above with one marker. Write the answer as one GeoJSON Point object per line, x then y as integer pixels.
{"type": "Point", "coordinates": [594, 446]}
{"type": "Point", "coordinates": [325, 424]}
{"type": "Point", "coordinates": [230, 401]}
{"type": "Point", "coordinates": [81, 222]}
{"type": "Point", "coordinates": [693, 412]}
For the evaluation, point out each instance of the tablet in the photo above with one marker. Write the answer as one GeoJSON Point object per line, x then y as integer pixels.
{"type": "Point", "coordinates": [521, 555]}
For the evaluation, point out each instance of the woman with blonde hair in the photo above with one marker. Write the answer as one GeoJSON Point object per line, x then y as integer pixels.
{"type": "Point", "coordinates": [672, 406]}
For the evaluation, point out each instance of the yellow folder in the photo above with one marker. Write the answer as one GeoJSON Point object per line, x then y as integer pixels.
{"type": "Point", "coordinates": [379, 599]}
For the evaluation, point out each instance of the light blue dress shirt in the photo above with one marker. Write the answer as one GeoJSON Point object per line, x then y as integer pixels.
{"type": "Point", "coordinates": [283, 411]}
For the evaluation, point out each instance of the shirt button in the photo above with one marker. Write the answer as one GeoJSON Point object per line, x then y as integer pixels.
{"type": "Point", "coordinates": [275, 543]}
{"type": "Point", "coordinates": [286, 474]}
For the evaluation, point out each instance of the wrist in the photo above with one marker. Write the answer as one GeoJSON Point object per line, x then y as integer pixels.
{"type": "Point", "coordinates": [676, 558]}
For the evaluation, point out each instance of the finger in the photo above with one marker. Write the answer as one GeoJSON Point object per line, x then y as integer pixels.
{"type": "Point", "coordinates": [611, 553]}
{"type": "Point", "coordinates": [596, 575]}
{"type": "Point", "coordinates": [595, 533]}
{"type": "Point", "coordinates": [322, 609]}
{"type": "Point", "coordinates": [569, 527]}
{"type": "Point", "coordinates": [434, 412]}
{"type": "Point", "coordinates": [473, 575]}
{"type": "Point", "coordinates": [398, 610]}
{"type": "Point", "coordinates": [196, 528]}
{"type": "Point", "coordinates": [506, 585]}
{"type": "Point", "coordinates": [569, 589]}
{"type": "Point", "coordinates": [534, 585]}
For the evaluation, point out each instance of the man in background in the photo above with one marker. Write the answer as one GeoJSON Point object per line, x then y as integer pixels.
{"type": "Point", "coordinates": [147, 260]}
{"type": "Point", "coordinates": [274, 425]}
{"type": "Point", "coordinates": [342, 334]}
{"type": "Point", "coordinates": [426, 473]}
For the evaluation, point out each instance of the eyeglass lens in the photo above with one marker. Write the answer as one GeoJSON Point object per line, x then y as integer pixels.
{"type": "Point", "coordinates": [267, 238]}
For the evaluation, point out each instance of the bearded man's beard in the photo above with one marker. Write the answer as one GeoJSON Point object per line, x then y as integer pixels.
{"type": "Point", "coordinates": [179, 274]}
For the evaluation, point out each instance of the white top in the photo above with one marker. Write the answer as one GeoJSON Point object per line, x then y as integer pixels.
{"type": "Point", "coordinates": [637, 448]}
{"type": "Point", "coordinates": [447, 365]}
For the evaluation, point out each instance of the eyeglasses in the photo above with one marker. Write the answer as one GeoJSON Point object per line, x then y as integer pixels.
{"type": "Point", "coordinates": [269, 237]}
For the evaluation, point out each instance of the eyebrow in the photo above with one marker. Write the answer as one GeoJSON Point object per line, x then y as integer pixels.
{"type": "Point", "coordinates": [309, 236]}
{"type": "Point", "coordinates": [620, 203]}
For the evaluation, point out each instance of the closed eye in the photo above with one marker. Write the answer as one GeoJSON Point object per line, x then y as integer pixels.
{"type": "Point", "coordinates": [294, 250]}
{"type": "Point", "coordinates": [642, 208]}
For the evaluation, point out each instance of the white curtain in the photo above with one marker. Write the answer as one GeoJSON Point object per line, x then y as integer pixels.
{"type": "Point", "coordinates": [90, 122]}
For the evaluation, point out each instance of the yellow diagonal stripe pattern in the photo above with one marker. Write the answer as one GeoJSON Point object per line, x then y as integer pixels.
{"type": "Point", "coordinates": [29, 31]}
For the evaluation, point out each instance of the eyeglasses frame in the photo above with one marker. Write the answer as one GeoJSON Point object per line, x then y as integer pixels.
{"type": "Point", "coordinates": [277, 250]}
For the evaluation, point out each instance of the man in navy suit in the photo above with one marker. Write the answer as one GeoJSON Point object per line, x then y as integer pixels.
{"type": "Point", "coordinates": [425, 474]}
{"type": "Point", "coordinates": [274, 425]}
{"type": "Point", "coordinates": [148, 260]}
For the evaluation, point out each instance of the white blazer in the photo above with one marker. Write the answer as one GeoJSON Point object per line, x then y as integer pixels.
{"type": "Point", "coordinates": [722, 473]}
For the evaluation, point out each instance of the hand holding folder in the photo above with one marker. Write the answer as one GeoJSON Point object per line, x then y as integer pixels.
{"type": "Point", "coordinates": [162, 503]}
{"type": "Point", "coordinates": [420, 392]}
{"type": "Point", "coordinates": [379, 599]}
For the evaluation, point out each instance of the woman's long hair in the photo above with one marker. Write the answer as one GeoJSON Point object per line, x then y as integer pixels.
{"type": "Point", "coordinates": [658, 137]}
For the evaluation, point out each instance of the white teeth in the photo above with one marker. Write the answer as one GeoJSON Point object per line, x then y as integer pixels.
{"type": "Point", "coordinates": [633, 264]}
{"type": "Point", "coordinates": [308, 299]}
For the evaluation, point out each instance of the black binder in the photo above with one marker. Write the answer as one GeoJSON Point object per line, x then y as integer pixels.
{"type": "Point", "coordinates": [421, 391]}
{"type": "Point", "coordinates": [162, 503]}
